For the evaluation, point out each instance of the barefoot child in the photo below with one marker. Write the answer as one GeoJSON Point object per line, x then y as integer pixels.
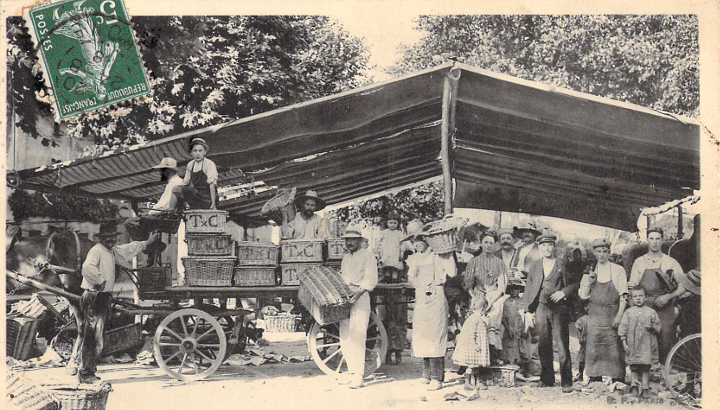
{"type": "Point", "coordinates": [515, 339]}
{"type": "Point", "coordinates": [638, 331]}
{"type": "Point", "coordinates": [472, 349]}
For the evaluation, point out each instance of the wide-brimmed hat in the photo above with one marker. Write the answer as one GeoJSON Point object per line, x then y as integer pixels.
{"type": "Point", "coordinates": [108, 229]}
{"type": "Point", "coordinates": [166, 162]}
{"type": "Point", "coordinates": [691, 281]}
{"type": "Point", "coordinates": [198, 141]}
{"type": "Point", "coordinates": [414, 228]}
{"type": "Point", "coordinates": [353, 231]}
{"type": "Point", "coordinates": [520, 232]}
{"type": "Point", "coordinates": [601, 243]}
{"type": "Point", "coordinates": [548, 237]}
{"type": "Point", "coordinates": [300, 200]}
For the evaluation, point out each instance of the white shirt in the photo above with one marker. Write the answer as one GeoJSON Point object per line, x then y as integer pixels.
{"type": "Point", "coordinates": [207, 166]}
{"type": "Point", "coordinates": [548, 265]}
{"type": "Point", "coordinates": [99, 265]}
{"type": "Point", "coordinates": [642, 263]}
{"type": "Point", "coordinates": [360, 269]}
{"type": "Point", "coordinates": [605, 273]}
{"type": "Point", "coordinates": [164, 203]}
{"type": "Point", "coordinates": [301, 228]}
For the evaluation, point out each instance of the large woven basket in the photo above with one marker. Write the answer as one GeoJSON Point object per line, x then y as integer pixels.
{"type": "Point", "coordinates": [257, 254]}
{"type": "Point", "coordinates": [289, 272]}
{"type": "Point", "coordinates": [444, 235]}
{"type": "Point", "coordinates": [86, 398]}
{"type": "Point", "coordinates": [324, 294]}
{"type": "Point", "coordinates": [281, 323]}
{"type": "Point", "coordinates": [254, 276]}
{"type": "Point", "coordinates": [205, 221]}
{"type": "Point", "coordinates": [209, 244]}
{"type": "Point", "coordinates": [302, 250]}
{"type": "Point", "coordinates": [283, 198]}
{"type": "Point", "coordinates": [22, 393]}
{"type": "Point", "coordinates": [204, 271]}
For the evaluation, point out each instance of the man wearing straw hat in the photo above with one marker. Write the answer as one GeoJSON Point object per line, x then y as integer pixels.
{"type": "Point", "coordinates": [359, 271]}
{"type": "Point", "coordinates": [168, 173]}
{"type": "Point", "coordinates": [98, 273]}
{"type": "Point", "coordinates": [307, 224]}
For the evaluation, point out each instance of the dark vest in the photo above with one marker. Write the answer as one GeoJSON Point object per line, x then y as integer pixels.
{"type": "Point", "coordinates": [550, 285]}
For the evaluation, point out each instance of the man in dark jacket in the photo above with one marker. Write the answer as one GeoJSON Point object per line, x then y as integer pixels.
{"type": "Point", "coordinates": [548, 291]}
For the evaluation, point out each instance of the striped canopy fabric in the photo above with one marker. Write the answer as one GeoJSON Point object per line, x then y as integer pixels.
{"type": "Point", "coordinates": [517, 146]}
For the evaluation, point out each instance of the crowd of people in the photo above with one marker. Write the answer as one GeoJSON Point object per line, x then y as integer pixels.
{"type": "Point", "coordinates": [522, 294]}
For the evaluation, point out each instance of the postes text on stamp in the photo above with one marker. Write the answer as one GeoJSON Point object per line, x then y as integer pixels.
{"type": "Point", "coordinates": [88, 53]}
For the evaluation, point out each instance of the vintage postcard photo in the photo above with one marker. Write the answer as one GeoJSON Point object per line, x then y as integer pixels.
{"type": "Point", "coordinates": [360, 204]}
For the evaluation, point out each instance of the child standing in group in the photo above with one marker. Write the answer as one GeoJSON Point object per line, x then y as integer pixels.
{"type": "Point", "coordinates": [472, 350]}
{"type": "Point", "coordinates": [515, 341]}
{"type": "Point", "coordinates": [390, 255]}
{"type": "Point", "coordinates": [638, 331]}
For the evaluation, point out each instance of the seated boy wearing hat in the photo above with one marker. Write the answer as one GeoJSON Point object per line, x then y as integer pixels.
{"type": "Point", "coordinates": [199, 187]}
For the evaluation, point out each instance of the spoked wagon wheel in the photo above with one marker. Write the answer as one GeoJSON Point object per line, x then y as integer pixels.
{"type": "Point", "coordinates": [683, 370]}
{"type": "Point", "coordinates": [189, 344]}
{"type": "Point", "coordinates": [324, 345]}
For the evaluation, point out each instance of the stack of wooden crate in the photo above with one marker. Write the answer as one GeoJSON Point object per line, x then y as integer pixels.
{"type": "Point", "coordinates": [336, 251]}
{"type": "Point", "coordinates": [299, 255]}
{"type": "Point", "coordinates": [257, 264]}
{"type": "Point", "coordinates": [210, 259]}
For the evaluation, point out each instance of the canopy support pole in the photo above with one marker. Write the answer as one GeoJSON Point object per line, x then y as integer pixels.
{"type": "Point", "coordinates": [447, 127]}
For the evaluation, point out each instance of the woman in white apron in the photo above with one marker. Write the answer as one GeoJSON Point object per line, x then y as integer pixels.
{"type": "Point", "coordinates": [427, 273]}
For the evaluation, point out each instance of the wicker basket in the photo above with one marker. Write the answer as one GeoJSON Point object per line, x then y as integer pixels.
{"type": "Point", "coordinates": [203, 271]}
{"type": "Point", "coordinates": [503, 376]}
{"type": "Point", "coordinates": [334, 265]}
{"type": "Point", "coordinates": [154, 277]}
{"type": "Point", "coordinates": [205, 221]}
{"type": "Point", "coordinates": [444, 235]}
{"type": "Point", "coordinates": [209, 244]}
{"type": "Point", "coordinates": [336, 248]}
{"type": "Point", "coordinates": [302, 251]}
{"type": "Point", "coordinates": [324, 294]}
{"type": "Point", "coordinates": [281, 323]}
{"type": "Point", "coordinates": [21, 332]}
{"type": "Point", "coordinates": [23, 393]}
{"type": "Point", "coordinates": [122, 338]}
{"type": "Point", "coordinates": [289, 272]}
{"type": "Point", "coordinates": [87, 398]}
{"type": "Point", "coordinates": [254, 276]}
{"type": "Point", "coordinates": [322, 314]}
{"type": "Point", "coordinates": [283, 198]}
{"type": "Point", "coordinates": [257, 254]}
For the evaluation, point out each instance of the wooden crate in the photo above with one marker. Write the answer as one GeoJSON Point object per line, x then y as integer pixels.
{"type": "Point", "coordinates": [257, 254]}
{"type": "Point", "coordinates": [336, 248]}
{"type": "Point", "coordinates": [503, 376]}
{"type": "Point", "coordinates": [122, 338]}
{"type": "Point", "coordinates": [302, 251]}
{"type": "Point", "coordinates": [205, 221]}
{"type": "Point", "coordinates": [154, 277]}
{"type": "Point", "coordinates": [21, 333]}
{"type": "Point", "coordinates": [254, 275]}
{"type": "Point", "coordinates": [289, 272]}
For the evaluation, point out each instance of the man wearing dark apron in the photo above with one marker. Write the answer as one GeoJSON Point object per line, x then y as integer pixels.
{"type": "Point", "coordinates": [658, 274]}
{"type": "Point", "coordinates": [606, 287]}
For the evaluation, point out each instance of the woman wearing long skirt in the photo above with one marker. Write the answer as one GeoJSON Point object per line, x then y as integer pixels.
{"type": "Point", "coordinates": [427, 273]}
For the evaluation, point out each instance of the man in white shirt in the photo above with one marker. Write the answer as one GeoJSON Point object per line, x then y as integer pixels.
{"type": "Point", "coordinates": [359, 271]}
{"type": "Point", "coordinates": [307, 224]}
{"type": "Point", "coordinates": [168, 172]}
{"type": "Point", "coordinates": [658, 274]}
{"type": "Point", "coordinates": [98, 272]}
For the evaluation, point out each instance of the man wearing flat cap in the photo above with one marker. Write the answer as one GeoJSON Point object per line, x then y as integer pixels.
{"type": "Point", "coordinates": [547, 292]}
{"type": "Point", "coordinates": [307, 224]}
{"type": "Point", "coordinates": [98, 273]}
{"type": "Point", "coordinates": [606, 288]}
{"type": "Point", "coordinates": [359, 271]}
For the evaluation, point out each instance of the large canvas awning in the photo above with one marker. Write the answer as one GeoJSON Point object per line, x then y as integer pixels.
{"type": "Point", "coordinates": [517, 146]}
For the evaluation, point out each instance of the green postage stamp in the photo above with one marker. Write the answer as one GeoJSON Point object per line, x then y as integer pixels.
{"type": "Point", "coordinates": [88, 53]}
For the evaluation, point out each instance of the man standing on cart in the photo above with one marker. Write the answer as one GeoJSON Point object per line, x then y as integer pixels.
{"type": "Point", "coordinates": [307, 224]}
{"type": "Point", "coordinates": [359, 271]}
{"type": "Point", "coordinates": [98, 272]}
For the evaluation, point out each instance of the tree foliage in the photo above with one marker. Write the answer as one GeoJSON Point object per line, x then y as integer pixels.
{"type": "Point", "coordinates": [650, 60]}
{"type": "Point", "coordinates": [424, 202]}
{"type": "Point", "coordinates": [207, 70]}
{"type": "Point", "coordinates": [25, 204]}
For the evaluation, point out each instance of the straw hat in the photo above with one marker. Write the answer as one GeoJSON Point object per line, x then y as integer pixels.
{"type": "Point", "coordinates": [691, 281]}
{"type": "Point", "coordinates": [299, 201]}
{"type": "Point", "coordinates": [520, 232]}
{"type": "Point", "coordinates": [414, 228]}
{"type": "Point", "coordinates": [353, 232]}
{"type": "Point", "coordinates": [166, 162]}
{"type": "Point", "coordinates": [600, 243]}
{"type": "Point", "coordinates": [198, 141]}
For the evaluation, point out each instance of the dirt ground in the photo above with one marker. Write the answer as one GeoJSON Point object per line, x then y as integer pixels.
{"type": "Point", "coordinates": [303, 386]}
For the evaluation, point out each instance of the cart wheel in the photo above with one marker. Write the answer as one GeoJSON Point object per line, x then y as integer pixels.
{"type": "Point", "coordinates": [324, 345]}
{"type": "Point", "coordinates": [683, 370]}
{"type": "Point", "coordinates": [189, 344]}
